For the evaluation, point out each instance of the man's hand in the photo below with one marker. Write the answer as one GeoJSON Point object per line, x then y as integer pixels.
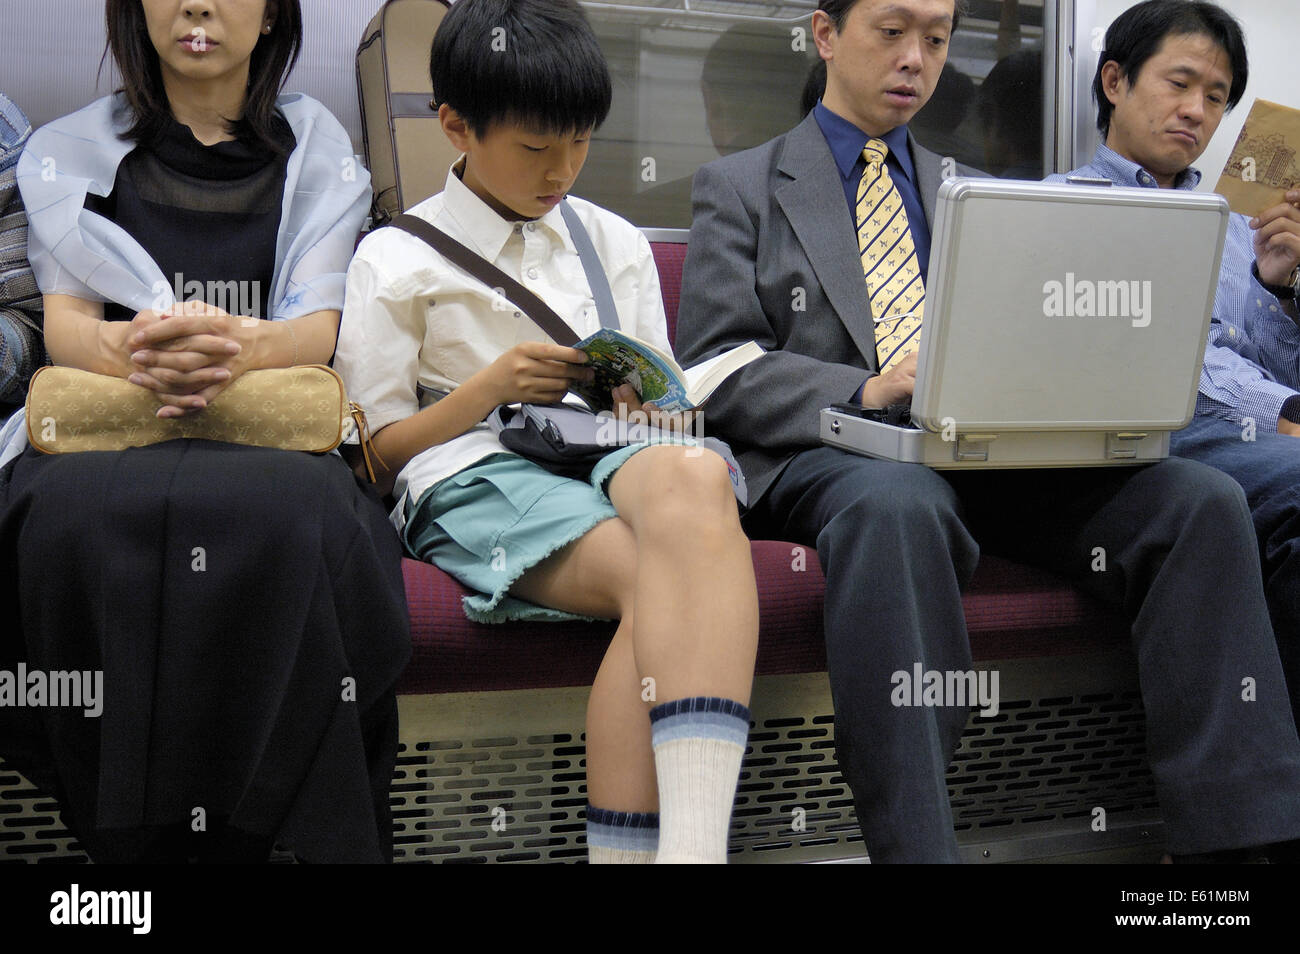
{"type": "Point", "coordinates": [893, 387]}
{"type": "Point", "coordinates": [535, 372]}
{"type": "Point", "coordinates": [1288, 427]}
{"type": "Point", "coordinates": [188, 356]}
{"type": "Point", "coordinates": [626, 401]}
{"type": "Point", "coordinates": [1277, 240]}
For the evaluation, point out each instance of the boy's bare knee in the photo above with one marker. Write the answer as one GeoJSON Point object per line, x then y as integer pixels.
{"type": "Point", "coordinates": [689, 489]}
{"type": "Point", "coordinates": [693, 472]}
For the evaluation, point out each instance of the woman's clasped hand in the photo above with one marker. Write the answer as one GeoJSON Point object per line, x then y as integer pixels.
{"type": "Point", "coordinates": [187, 354]}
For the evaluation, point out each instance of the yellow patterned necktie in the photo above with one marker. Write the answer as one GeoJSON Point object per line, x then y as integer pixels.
{"type": "Point", "coordinates": [889, 263]}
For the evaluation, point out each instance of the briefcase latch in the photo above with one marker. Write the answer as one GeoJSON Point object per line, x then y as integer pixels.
{"type": "Point", "coordinates": [972, 447]}
{"type": "Point", "coordinates": [1122, 445]}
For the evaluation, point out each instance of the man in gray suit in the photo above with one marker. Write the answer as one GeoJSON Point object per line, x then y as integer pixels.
{"type": "Point", "coordinates": [797, 244]}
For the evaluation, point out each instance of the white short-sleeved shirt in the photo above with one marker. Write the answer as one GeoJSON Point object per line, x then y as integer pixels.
{"type": "Point", "coordinates": [413, 321]}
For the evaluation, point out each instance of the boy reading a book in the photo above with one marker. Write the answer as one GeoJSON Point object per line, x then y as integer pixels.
{"type": "Point", "coordinates": [653, 538]}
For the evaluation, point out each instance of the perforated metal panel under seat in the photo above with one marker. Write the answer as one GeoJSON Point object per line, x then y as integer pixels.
{"type": "Point", "coordinates": [501, 776]}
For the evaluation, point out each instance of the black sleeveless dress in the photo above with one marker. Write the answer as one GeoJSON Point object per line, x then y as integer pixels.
{"type": "Point", "coordinates": [245, 605]}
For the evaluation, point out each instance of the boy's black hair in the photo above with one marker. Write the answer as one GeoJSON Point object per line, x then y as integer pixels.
{"type": "Point", "coordinates": [839, 9]}
{"type": "Point", "coordinates": [532, 62]}
{"type": "Point", "coordinates": [137, 60]}
{"type": "Point", "coordinates": [1138, 33]}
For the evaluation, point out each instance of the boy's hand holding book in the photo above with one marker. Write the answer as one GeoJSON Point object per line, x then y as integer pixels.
{"type": "Point", "coordinates": [627, 402]}
{"type": "Point", "coordinates": [532, 372]}
{"type": "Point", "coordinates": [654, 376]}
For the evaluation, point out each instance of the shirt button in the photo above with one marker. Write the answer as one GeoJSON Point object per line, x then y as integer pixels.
{"type": "Point", "coordinates": [1232, 332]}
{"type": "Point", "coordinates": [531, 226]}
{"type": "Point", "coordinates": [532, 273]}
{"type": "Point", "coordinates": [519, 314]}
{"type": "Point", "coordinates": [518, 228]}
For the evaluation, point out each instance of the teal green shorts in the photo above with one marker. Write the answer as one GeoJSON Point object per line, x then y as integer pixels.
{"type": "Point", "coordinates": [498, 518]}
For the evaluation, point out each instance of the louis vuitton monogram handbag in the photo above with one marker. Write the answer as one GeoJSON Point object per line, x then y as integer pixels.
{"type": "Point", "coordinates": [301, 408]}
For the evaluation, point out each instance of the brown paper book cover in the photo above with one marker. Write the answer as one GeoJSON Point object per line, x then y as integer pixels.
{"type": "Point", "coordinates": [1265, 162]}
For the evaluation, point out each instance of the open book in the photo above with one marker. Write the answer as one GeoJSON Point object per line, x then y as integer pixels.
{"type": "Point", "coordinates": [618, 357]}
{"type": "Point", "coordinates": [1265, 162]}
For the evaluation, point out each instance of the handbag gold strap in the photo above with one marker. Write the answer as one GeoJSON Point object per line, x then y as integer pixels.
{"type": "Point", "coordinates": [366, 440]}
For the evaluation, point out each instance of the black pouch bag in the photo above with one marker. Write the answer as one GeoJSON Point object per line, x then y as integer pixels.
{"type": "Point", "coordinates": [570, 441]}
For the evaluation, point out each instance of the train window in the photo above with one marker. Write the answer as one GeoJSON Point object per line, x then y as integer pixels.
{"type": "Point", "coordinates": [988, 108]}
{"type": "Point", "coordinates": [696, 79]}
{"type": "Point", "coordinates": [693, 80]}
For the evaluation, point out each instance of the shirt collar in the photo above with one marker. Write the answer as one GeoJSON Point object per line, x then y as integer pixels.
{"type": "Point", "coordinates": [847, 142]}
{"type": "Point", "coordinates": [1125, 172]}
{"type": "Point", "coordinates": [486, 229]}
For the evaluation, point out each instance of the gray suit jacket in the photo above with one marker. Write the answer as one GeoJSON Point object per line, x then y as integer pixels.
{"type": "Point", "coordinates": [773, 257]}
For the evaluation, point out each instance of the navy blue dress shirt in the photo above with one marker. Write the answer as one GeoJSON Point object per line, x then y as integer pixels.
{"type": "Point", "coordinates": [847, 142]}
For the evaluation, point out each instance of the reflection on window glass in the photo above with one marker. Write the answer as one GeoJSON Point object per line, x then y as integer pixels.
{"type": "Point", "coordinates": [690, 86]}
{"type": "Point", "coordinates": [700, 79]}
{"type": "Point", "coordinates": [1011, 114]}
{"type": "Point", "coordinates": [987, 109]}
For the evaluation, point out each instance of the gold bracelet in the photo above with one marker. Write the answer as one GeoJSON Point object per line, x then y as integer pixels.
{"type": "Point", "coordinates": [294, 338]}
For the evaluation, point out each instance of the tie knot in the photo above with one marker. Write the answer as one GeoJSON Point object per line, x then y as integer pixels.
{"type": "Point", "coordinates": [875, 151]}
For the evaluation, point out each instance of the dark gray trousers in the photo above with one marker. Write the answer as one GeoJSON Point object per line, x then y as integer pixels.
{"type": "Point", "coordinates": [897, 543]}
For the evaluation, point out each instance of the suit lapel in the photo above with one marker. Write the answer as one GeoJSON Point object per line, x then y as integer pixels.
{"type": "Point", "coordinates": [813, 202]}
{"type": "Point", "coordinates": [929, 176]}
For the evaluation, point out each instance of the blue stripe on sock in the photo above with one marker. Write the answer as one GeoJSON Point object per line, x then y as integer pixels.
{"type": "Point", "coordinates": [731, 730]}
{"type": "Point", "coordinates": [626, 831]}
{"type": "Point", "coordinates": [700, 704]}
{"type": "Point", "coordinates": [707, 717]}
{"type": "Point", "coordinates": [603, 816]}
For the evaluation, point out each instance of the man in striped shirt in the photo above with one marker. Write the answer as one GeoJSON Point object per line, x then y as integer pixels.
{"type": "Point", "coordinates": [1169, 72]}
{"type": "Point", "coordinates": [22, 348]}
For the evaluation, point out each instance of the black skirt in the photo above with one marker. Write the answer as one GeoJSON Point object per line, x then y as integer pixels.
{"type": "Point", "coordinates": [247, 611]}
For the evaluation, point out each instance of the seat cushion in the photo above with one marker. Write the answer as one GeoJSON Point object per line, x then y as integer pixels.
{"type": "Point", "coordinates": [669, 257]}
{"type": "Point", "coordinates": [1011, 611]}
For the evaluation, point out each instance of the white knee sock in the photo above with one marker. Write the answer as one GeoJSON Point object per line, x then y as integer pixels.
{"type": "Point", "coordinates": [698, 744]}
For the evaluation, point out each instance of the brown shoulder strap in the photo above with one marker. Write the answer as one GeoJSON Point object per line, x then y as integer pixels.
{"type": "Point", "coordinates": [458, 254]}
